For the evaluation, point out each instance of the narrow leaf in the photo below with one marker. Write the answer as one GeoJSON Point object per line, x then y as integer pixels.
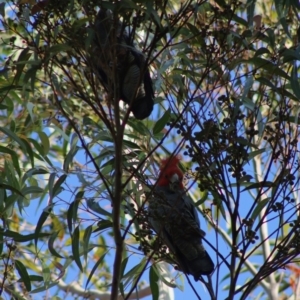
{"type": "Point", "coordinates": [41, 222]}
{"type": "Point", "coordinates": [51, 184]}
{"type": "Point", "coordinates": [46, 274]}
{"type": "Point", "coordinates": [103, 224]}
{"type": "Point", "coordinates": [295, 82]}
{"type": "Point", "coordinates": [161, 123]}
{"type": "Point", "coordinates": [1, 240]}
{"type": "Point", "coordinates": [14, 137]}
{"type": "Point", "coordinates": [153, 278]}
{"type": "Point", "coordinates": [45, 142]}
{"type": "Point", "coordinates": [259, 208]}
{"type": "Point", "coordinates": [75, 247]}
{"type": "Point", "coordinates": [86, 240]}
{"type": "Point", "coordinates": [14, 158]}
{"type": "Point", "coordinates": [100, 260]}
{"type": "Point", "coordinates": [258, 185]}
{"type": "Point", "coordinates": [22, 60]}
{"type": "Point", "coordinates": [123, 265]}
{"type": "Point", "coordinates": [23, 238]}
{"type": "Point", "coordinates": [70, 216]}
{"type": "Point", "coordinates": [23, 274]}
{"type": "Point", "coordinates": [57, 185]}
{"type": "Point", "coordinates": [51, 245]}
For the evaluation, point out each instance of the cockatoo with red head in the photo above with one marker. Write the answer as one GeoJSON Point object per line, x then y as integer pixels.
{"type": "Point", "coordinates": [173, 216]}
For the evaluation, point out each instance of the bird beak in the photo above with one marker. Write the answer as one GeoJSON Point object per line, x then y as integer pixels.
{"type": "Point", "coordinates": [174, 182]}
{"type": "Point", "coordinates": [174, 178]}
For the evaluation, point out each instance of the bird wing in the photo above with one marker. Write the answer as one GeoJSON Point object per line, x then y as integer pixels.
{"type": "Point", "coordinates": [135, 84]}
{"type": "Point", "coordinates": [131, 79]}
{"type": "Point", "coordinates": [174, 217]}
{"type": "Point", "coordinates": [192, 215]}
{"type": "Point", "coordinates": [137, 87]}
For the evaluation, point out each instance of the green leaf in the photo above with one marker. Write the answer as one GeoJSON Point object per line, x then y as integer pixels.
{"type": "Point", "coordinates": [271, 68]}
{"type": "Point", "coordinates": [58, 48]}
{"type": "Point", "coordinates": [123, 265]}
{"type": "Point", "coordinates": [51, 183]}
{"type": "Point", "coordinates": [10, 188]}
{"type": "Point", "coordinates": [219, 203]}
{"type": "Point", "coordinates": [271, 36]}
{"type": "Point", "coordinates": [29, 151]}
{"type": "Point", "coordinates": [161, 123]}
{"type": "Point", "coordinates": [295, 81]}
{"type": "Point", "coordinates": [14, 137]}
{"type": "Point", "coordinates": [151, 11]}
{"type": "Point", "coordinates": [153, 278]}
{"type": "Point", "coordinates": [23, 274]}
{"type": "Point", "coordinates": [46, 274]}
{"type": "Point", "coordinates": [94, 206]}
{"type": "Point", "coordinates": [51, 245]}
{"type": "Point", "coordinates": [255, 153]}
{"type": "Point", "coordinates": [57, 186]}
{"type": "Point", "coordinates": [86, 240]}
{"type": "Point", "coordinates": [70, 216]}
{"type": "Point", "coordinates": [258, 185]}
{"type": "Point", "coordinates": [250, 12]}
{"type": "Point", "coordinates": [22, 60]}
{"type": "Point", "coordinates": [104, 224]}
{"type": "Point", "coordinates": [245, 178]}
{"type": "Point", "coordinates": [138, 126]}
{"type": "Point", "coordinates": [45, 142]}
{"type": "Point", "coordinates": [41, 222]}
{"type": "Point", "coordinates": [32, 190]}
{"type": "Point", "coordinates": [44, 288]}
{"type": "Point", "coordinates": [161, 276]}
{"type": "Point", "coordinates": [247, 86]}
{"type": "Point", "coordinates": [131, 145]}
{"type": "Point", "coordinates": [258, 208]}
{"type": "Point", "coordinates": [75, 247]}
{"type": "Point", "coordinates": [2, 9]}
{"type": "Point", "coordinates": [286, 26]}
{"type": "Point", "coordinates": [34, 171]}
{"type": "Point", "coordinates": [266, 82]}
{"type": "Point", "coordinates": [135, 270]}
{"type": "Point", "coordinates": [203, 198]}
{"type": "Point", "coordinates": [31, 75]}
{"type": "Point", "coordinates": [261, 51]}
{"type": "Point", "coordinates": [23, 238]}
{"type": "Point", "coordinates": [1, 241]}
{"type": "Point", "coordinates": [40, 155]}
{"type": "Point", "coordinates": [14, 158]}
{"type": "Point", "coordinates": [239, 20]}
{"type": "Point", "coordinates": [69, 158]}
{"type": "Point", "coordinates": [100, 260]}
{"type": "Point", "coordinates": [34, 278]}
{"type": "Point", "coordinates": [72, 211]}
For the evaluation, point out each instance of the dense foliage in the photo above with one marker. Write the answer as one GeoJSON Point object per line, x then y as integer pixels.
{"type": "Point", "coordinates": [78, 168]}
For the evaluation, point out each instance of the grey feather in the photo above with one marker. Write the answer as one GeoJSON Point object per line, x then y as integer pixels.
{"type": "Point", "coordinates": [134, 81]}
{"type": "Point", "coordinates": [174, 218]}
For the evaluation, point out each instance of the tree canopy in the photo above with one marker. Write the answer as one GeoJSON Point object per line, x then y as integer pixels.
{"type": "Point", "coordinates": [78, 168]}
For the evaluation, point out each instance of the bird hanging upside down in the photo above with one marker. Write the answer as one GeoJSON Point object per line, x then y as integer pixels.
{"type": "Point", "coordinates": [133, 78]}
{"type": "Point", "coordinates": [174, 218]}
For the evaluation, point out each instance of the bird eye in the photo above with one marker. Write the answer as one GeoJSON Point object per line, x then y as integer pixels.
{"type": "Point", "coordinates": [166, 176]}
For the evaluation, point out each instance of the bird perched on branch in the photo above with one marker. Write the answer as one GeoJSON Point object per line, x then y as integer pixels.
{"type": "Point", "coordinates": [121, 66]}
{"type": "Point", "coordinates": [174, 218]}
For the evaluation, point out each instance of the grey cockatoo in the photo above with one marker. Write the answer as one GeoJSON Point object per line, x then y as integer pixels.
{"type": "Point", "coordinates": [133, 77]}
{"type": "Point", "coordinates": [174, 218]}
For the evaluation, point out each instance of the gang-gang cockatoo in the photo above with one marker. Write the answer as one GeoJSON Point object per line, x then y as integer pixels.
{"type": "Point", "coordinates": [173, 216]}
